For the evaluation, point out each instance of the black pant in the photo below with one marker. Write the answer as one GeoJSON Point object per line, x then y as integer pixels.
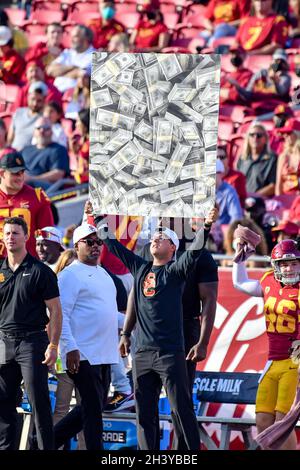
{"type": "Point", "coordinates": [92, 382]}
{"type": "Point", "coordinates": [191, 332]}
{"type": "Point", "coordinates": [22, 357]}
{"type": "Point", "coordinates": [151, 370]}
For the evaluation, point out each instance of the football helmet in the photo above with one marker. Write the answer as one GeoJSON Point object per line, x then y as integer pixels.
{"type": "Point", "coordinates": [286, 250]}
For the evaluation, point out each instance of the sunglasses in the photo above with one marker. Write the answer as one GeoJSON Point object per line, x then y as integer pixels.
{"type": "Point", "coordinates": [256, 134]}
{"type": "Point", "coordinates": [44, 128]}
{"type": "Point", "coordinates": [90, 242]}
{"type": "Point", "coordinates": [43, 234]}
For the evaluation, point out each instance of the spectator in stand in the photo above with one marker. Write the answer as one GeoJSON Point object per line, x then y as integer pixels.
{"type": "Point", "coordinates": [257, 162]}
{"type": "Point", "coordinates": [282, 112]}
{"type": "Point", "coordinates": [222, 17]}
{"type": "Point", "coordinates": [286, 230]}
{"type": "Point", "coordinates": [47, 51]}
{"type": "Point", "coordinates": [150, 34]}
{"type": "Point", "coordinates": [264, 32]}
{"type": "Point", "coordinates": [79, 97]}
{"type": "Point", "coordinates": [11, 63]}
{"type": "Point", "coordinates": [273, 83]}
{"type": "Point", "coordinates": [236, 179]}
{"type": "Point", "coordinates": [46, 162]}
{"type": "Point", "coordinates": [119, 43]}
{"type": "Point", "coordinates": [227, 198]}
{"type": "Point", "coordinates": [294, 19]}
{"type": "Point", "coordinates": [79, 145]}
{"type": "Point", "coordinates": [19, 37]}
{"type": "Point", "coordinates": [34, 72]}
{"type": "Point", "coordinates": [288, 164]}
{"type": "Point", "coordinates": [19, 199]}
{"type": "Point", "coordinates": [23, 121]}
{"type": "Point", "coordinates": [3, 135]}
{"type": "Point", "coordinates": [54, 112]}
{"type": "Point", "coordinates": [106, 27]}
{"type": "Point", "coordinates": [74, 62]}
{"type": "Point", "coordinates": [294, 213]}
{"type": "Point", "coordinates": [229, 245]}
{"type": "Point", "coordinates": [228, 92]}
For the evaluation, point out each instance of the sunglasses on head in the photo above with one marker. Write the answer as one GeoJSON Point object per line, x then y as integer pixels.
{"type": "Point", "coordinates": [259, 135]}
{"type": "Point", "coordinates": [91, 242]}
{"type": "Point", "coordinates": [44, 128]}
{"type": "Point", "coordinates": [43, 234]}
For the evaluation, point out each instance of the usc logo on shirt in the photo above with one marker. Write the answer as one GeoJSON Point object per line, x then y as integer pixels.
{"type": "Point", "coordinates": [149, 285]}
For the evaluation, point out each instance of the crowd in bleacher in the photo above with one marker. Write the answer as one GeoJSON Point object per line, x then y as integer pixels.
{"type": "Point", "coordinates": [45, 63]}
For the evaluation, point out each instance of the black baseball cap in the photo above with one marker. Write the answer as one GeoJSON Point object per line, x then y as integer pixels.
{"type": "Point", "coordinates": [13, 162]}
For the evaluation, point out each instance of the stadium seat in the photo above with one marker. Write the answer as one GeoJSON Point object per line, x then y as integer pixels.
{"type": "Point", "coordinates": [46, 17]}
{"type": "Point", "coordinates": [171, 20]}
{"type": "Point", "coordinates": [34, 28]}
{"type": "Point", "coordinates": [194, 43]}
{"type": "Point", "coordinates": [125, 8]}
{"type": "Point", "coordinates": [194, 9]}
{"type": "Point", "coordinates": [54, 5]}
{"type": "Point", "coordinates": [194, 20]}
{"type": "Point", "coordinates": [6, 117]}
{"type": "Point", "coordinates": [185, 31]}
{"type": "Point", "coordinates": [77, 17]}
{"type": "Point", "coordinates": [257, 62]}
{"type": "Point", "coordinates": [235, 149]}
{"type": "Point", "coordinates": [226, 129]}
{"type": "Point", "coordinates": [175, 50]}
{"type": "Point", "coordinates": [84, 6]}
{"type": "Point", "coordinates": [16, 16]}
{"type": "Point", "coordinates": [33, 39]}
{"type": "Point", "coordinates": [129, 20]}
{"type": "Point", "coordinates": [226, 41]}
{"type": "Point", "coordinates": [8, 95]}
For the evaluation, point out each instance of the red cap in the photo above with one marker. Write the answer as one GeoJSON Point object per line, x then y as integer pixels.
{"type": "Point", "coordinates": [291, 125]}
{"type": "Point", "coordinates": [287, 227]}
{"type": "Point", "coordinates": [283, 109]}
{"type": "Point", "coordinates": [148, 5]}
{"type": "Point", "coordinates": [6, 151]}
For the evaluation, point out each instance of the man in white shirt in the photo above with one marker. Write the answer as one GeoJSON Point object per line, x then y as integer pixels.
{"type": "Point", "coordinates": [89, 339]}
{"type": "Point", "coordinates": [74, 62]}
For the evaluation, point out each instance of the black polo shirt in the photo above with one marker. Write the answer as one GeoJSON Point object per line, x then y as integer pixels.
{"type": "Point", "coordinates": [259, 173]}
{"type": "Point", "coordinates": [23, 294]}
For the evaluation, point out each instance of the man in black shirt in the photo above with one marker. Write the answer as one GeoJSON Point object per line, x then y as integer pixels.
{"type": "Point", "coordinates": [159, 357]}
{"type": "Point", "coordinates": [27, 287]}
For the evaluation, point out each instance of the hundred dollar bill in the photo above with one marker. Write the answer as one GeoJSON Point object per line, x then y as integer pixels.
{"type": "Point", "coordinates": [209, 170]}
{"type": "Point", "coordinates": [210, 93]}
{"type": "Point", "coordinates": [210, 138]}
{"type": "Point", "coordinates": [144, 131]}
{"type": "Point", "coordinates": [117, 140]}
{"type": "Point", "coordinates": [99, 158]}
{"type": "Point", "coordinates": [176, 162]}
{"type": "Point", "coordinates": [148, 58]}
{"type": "Point", "coordinates": [127, 92]}
{"type": "Point", "coordinates": [180, 92]}
{"type": "Point", "coordinates": [170, 65]}
{"type": "Point", "coordinates": [125, 77]}
{"type": "Point", "coordinates": [150, 191]}
{"type": "Point", "coordinates": [157, 166]}
{"type": "Point", "coordinates": [210, 123]}
{"type": "Point", "coordinates": [126, 178]}
{"type": "Point", "coordinates": [111, 189]}
{"type": "Point", "coordinates": [140, 109]}
{"type": "Point", "coordinates": [187, 111]}
{"type": "Point", "coordinates": [192, 171]}
{"type": "Point", "coordinates": [190, 134]}
{"type": "Point", "coordinates": [131, 197]}
{"type": "Point", "coordinates": [210, 157]}
{"type": "Point", "coordinates": [154, 179]}
{"type": "Point", "coordinates": [125, 106]}
{"type": "Point", "coordinates": [106, 169]}
{"type": "Point", "coordinates": [211, 75]}
{"type": "Point", "coordinates": [112, 119]}
{"type": "Point", "coordinates": [101, 98]}
{"type": "Point", "coordinates": [176, 192]}
{"type": "Point", "coordinates": [173, 118]}
{"type": "Point", "coordinates": [124, 156]}
{"type": "Point", "coordinates": [164, 137]}
{"type": "Point", "coordinates": [152, 75]}
{"type": "Point", "coordinates": [165, 87]}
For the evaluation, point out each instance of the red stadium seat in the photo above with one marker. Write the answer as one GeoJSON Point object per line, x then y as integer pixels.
{"type": "Point", "coordinates": [125, 8]}
{"type": "Point", "coordinates": [195, 10]}
{"type": "Point", "coordinates": [194, 43]}
{"type": "Point", "coordinates": [257, 62]}
{"type": "Point", "coordinates": [33, 28]}
{"type": "Point", "coordinates": [46, 17]}
{"type": "Point", "coordinates": [194, 20]}
{"type": "Point", "coordinates": [77, 17]}
{"type": "Point", "coordinates": [16, 17]}
{"type": "Point", "coordinates": [175, 50]}
{"type": "Point", "coordinates": [171, 20]}
{"type": "Point", "coordinates": [54, 5]}
{"type": "Point", "coordinates": [226, 41]}
{"type": "Point", "coordinates": [184, 31]}
{"type": "Point", "coordinates": [6, 118]}
{"type": "Point", "coordinates": [8, 95]}
{"type": "Point", "coordinates": [129, 20]}
{"type": "Point", "coordinates": [235, 149]}
{"type": "Point", "coordinates": [226, 129]}
{"type": "Point", "coordinates": [84, 6]}
{"type": "Point", "coordinates": [33, 39]}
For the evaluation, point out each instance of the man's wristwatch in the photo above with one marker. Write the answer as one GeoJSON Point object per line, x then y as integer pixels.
{"type": "Point", "coordinates": [125, 333]}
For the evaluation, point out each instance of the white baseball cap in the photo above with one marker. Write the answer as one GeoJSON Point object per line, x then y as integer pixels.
{"type": "Point", "coordinates": [49, 233]}
{"type": "Point", "coordinates": [5, 35]}
{"type": "Point", "coordinates": [170, 234]}
{"type": "Point", "coordinates": [219, 166]}
{"type": "Point", "coordinates": [83, 231]}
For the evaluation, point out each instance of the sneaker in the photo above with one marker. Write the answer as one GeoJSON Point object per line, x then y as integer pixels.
{"type": "Point", "coordinates": [119, 401]}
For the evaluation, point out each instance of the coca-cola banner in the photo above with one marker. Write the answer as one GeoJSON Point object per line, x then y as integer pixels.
{"type": "Point", "coordinates": [238, 342]}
